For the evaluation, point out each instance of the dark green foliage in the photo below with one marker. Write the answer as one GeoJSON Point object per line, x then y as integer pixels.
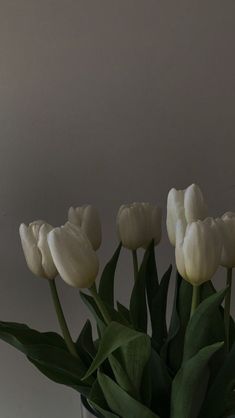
{"type": "Point", "coordinates": [180, 372]}
{"type": "Point", "coordinates": [106, 286]}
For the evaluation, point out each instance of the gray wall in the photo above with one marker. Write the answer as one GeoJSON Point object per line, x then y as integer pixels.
{"type": "Point", "coordinates": [103, 102]}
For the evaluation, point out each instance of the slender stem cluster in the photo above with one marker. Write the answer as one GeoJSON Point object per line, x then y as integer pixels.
{"type": "Point", "coordinates": [135, 263]}
{"type": "Point", "coordinates": [60, 315]}
{"type": "Point", "coordinates": [195, 299]}
{"type": "Point", "coordinates": [100, 304]}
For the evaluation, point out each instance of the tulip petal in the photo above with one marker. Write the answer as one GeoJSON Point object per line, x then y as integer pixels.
{"type": "Point", "coordinates": [201, 249]}
{"type": "Point", "coordinates": [194, 204]}
{"type": "Point", "coordinates": [87, 218]}
{"type": "Point", "coordinates": [31, 252]}
{"type": "Point", "coordinates": [73, 256]}
{"type": "Point", "coordinates": [47, 262]}
{"type": "Point", "coordinates": [227, 228]}
{"type": "Point", "coordinates": [175, 211]}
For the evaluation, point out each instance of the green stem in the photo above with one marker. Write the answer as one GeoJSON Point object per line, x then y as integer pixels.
{"type": "Point", "coordinates": [135, 263]}
{"type": "Point", "coordinates": [100, 304]}
{"type": "Point", "coordinates": [227, 304]}
{"type": "Point", "coordinates": [195, 299]}
{"type": "Point", "coordinates": [60, 315]}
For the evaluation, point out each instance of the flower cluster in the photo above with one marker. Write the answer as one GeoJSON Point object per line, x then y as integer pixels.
{"type": "Point", "coordinates": [201, 243]}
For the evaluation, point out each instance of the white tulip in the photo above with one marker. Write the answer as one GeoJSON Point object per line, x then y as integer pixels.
{"type": "Point", "coordinates": [227, 228]}
{"type": "Point", "coordinates": [87, 218]}
{"type": "Point", "coordinates": [36, 250]}
{"type": "Point", "coordinates": [185, 205]}
{"type": "Point", "coordinates": [73, 255]}
{"type": "Point", "coordinates": [198, 250]}
{"type": "Point", "coordinates": [138, 224]}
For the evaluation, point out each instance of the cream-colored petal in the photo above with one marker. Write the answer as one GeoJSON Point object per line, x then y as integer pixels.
{"type": "Point", "coordinates": [194, 204]}
{"type": "Point", "coordinates": [31, 251]}
{"type": "Point", "coordinates": [91, 225]}
{"type": "Point", "coordinates": [175, 211]}
{"type": "Point", "coordinates": [227, 228]}
{"type": "Point", "coordinates": [47, 262]}
{"type": "Point", "coordinates": [75, 215]}
{"type": "Point", "coordinates": [201, 250]}
{"type": "Point", "coordinates": [73, 256]}
{"type": "Point", "coordinates": [131, 224]}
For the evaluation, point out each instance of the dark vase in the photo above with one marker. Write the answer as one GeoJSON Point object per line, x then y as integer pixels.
{"type": "Point", "coordinates": [87, 410]}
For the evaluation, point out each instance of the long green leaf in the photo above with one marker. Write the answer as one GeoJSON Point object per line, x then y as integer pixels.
{"type": "Point", "coordinates": [135, 356]}
{"type": "Point", "coordinates": [84, 344]}
{"type": "Point", "coordinates": [106, 286]}
{"type": "Point", "coordinates": [20, 335]}
{"type": "Point", "coordinates": [152, 275]}
{"type": "Point", "coordinates": [161, 385]}
{"type": "Point", "coordinates": [121, 375]}
{"type": "Point", "coordinates": [115, 336]}
{"type": "Point", "coordinates": [123, 311]}
{"type": "Point", "coordinates": [185, 383]}
{"type": "Point", "coordinates": [90, 303]}
{"type": "Point", "coordinates": [138, 304]}
{"type": "Point", "coordinates": [120, 402]}
{"type": "Point", "coordinates": [157, 310]}
{"type": "Point", "coordinates": [203, 326]}
{"type": "Point", "coordinates": [220, 392]}
{"type": "Point", "coordinates": [172, 350]}
{"type": "Point", "coordinates": [62, 377]}
{"type": "Point", "coordinates": [48, 352]}
{"type": "Point", "coordinates": [58, 359]}
{"type": "Point", "coordinates": [97, 400]}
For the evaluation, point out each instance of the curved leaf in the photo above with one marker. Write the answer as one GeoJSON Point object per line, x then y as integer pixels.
{"type": "Point", "coordinates": [98, 402]}
{"type": "Point", "coordinates": [106, 286]}
{"type": "Point", "coordinates": [123, 311]}
{"type": "Point", "coordinates": [120, 402]}
{"type": "Point", "coordinates": [161, 385]}
{"type": "Point", "coordinates": [138, 304]}
{"type": "Point", "coordinates": [152, 275]}
{"type": "Point", "coordinates": [157, 310]}
{"type": "Point", "coordinates": [185, 383]}
{"type": "Point", "coordinates": [84, 344]}
{"type": "Point", "coordinates": [135, 356]}
{"type": "Point", "coordinates": [172, 350]}
{"type": "Point", "coordinates": [203, 326]}
{"type": "Point", "coordinates": [121, 376]}
{"type": "Point", "coordinates": [220, 391]}
{"type": "Point", "coordinates": [90, 303]}
{"type": "Point", "coordinates": [20, 335]}
{"type": "Point", "coordinates": [115, 336]}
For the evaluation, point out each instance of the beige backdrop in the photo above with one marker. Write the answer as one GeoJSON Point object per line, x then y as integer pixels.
{"type": "Point", "coordinates": [103, 102]}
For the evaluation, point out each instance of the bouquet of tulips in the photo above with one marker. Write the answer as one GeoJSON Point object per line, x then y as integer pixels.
{"type": "Point", "coordinates": [132, 364]}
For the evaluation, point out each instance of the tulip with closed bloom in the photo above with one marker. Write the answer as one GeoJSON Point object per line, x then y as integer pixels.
{"type": "Point", "coordinates": [34, 239]}
{"type": "Point", "coordinates": [73, 255]}
{"type": "Point", "coordinates": [87, 218]}
{"type": "Point", "coordinates": [36, 250]}
{"type": "Point", "coordinates": [198, 251]}
{"type": "Point", "coordinates": [138, 224]}
{"type": "Point", "coordinates": [185, 205]}
{"type": "Point", "coordinates": [227, 228]}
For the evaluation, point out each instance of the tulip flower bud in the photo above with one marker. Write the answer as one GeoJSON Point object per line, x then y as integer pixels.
{"type": "Point", "coordinates": [87, 218]}
{"type": "Point", "coordinates": [73, 255]}
{"type": "Point", "coordinates": [198, 250]}
{"type": "Point", "coordinates": [36, 250]}
{"type": "Point", "coordinates": [227, 228]}
{"type": "Point", "coordinates": [138, 224]}
{"type": "Point", "coordinates": [185, 205]}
